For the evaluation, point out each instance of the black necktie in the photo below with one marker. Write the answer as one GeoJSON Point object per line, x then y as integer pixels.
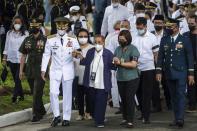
{"type": "Point", "coordinates": [172, 40]}
{"type": "Point", "coordinates": [62, 41]}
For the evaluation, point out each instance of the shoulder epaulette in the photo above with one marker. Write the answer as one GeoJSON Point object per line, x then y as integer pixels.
{"type": "Point", "coordinates": [72, 36]}
{"type": "Point", "coordinates": [51, 36]}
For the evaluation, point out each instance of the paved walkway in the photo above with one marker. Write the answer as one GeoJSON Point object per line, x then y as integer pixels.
{"type": "Point", "coordinates": [159, 122]}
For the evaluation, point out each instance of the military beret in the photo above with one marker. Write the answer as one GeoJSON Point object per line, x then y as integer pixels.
{"type": "Point", "coordinates": [150, 5]}
{"type": "Point", "coordinates": [171, 22]}
{"type": "Point", "coordinates": [159, 17]}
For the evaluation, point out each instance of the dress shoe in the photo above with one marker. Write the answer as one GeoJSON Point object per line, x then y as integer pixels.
{"type": "Point", "coordinates": [55, 121]}
{"type": "Point", "coordinates": [180, 123]}
{"type": "Point", "coordinates": [35, 120]}
{"type": "Point", "coordinates": [174, 123]}
{"type": "Point", "coordinates": [21, 98]}
{"type": "Point", "coordinates": [65, 123]}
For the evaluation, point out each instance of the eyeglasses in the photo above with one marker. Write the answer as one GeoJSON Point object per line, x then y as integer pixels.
{"type": "Point", "coordinates": [83, 36]}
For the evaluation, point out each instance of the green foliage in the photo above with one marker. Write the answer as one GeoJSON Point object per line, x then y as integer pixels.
{"type": "Point", "coordinates": [6, 105]}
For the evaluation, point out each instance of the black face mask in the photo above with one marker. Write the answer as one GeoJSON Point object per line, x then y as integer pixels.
{"type": "Point", "coordinates": [33, 30]}
{"type": "Point", "coordinates": [123, 43]}
{"type": "Point", "coordinates": [169, 31]}
{"type": "Point", "coordinates": [192, 28]}
{"type": "Point", "coordinates": [158, 28]}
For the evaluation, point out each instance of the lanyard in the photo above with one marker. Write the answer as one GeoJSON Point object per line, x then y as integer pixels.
{"type": "Point", "coordinates": [97, 65]}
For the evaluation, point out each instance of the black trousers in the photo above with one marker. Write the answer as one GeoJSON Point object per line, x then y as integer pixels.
{"type": "Point", "coordinates": [82, 94]}
{"type": "Point", "coordinates": [15, 68]}
{"type": "Point", "coordinates": [192, 93]}
{"type": "Point", "coordinates": [156, 101]}
{"type": "Point", "coordinates": [144, 92]}
{"type": "Point", "coordinates": [166, 91]}
{"type": "Point", "coordinates": [127, 91]}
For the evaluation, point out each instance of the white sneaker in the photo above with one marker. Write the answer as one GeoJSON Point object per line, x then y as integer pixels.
{"type": "Point", "coordinates": [79, 118]}
{"type": "Point", "coordinates": [88, 116]}
{"type": "Point", "coordinates": [100, 126]}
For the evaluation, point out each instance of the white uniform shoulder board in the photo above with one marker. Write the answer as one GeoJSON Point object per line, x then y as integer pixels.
{"type": "Point", "coordinates": [72, 36]}
{"type": "Point", "coordinates": [51, 36]}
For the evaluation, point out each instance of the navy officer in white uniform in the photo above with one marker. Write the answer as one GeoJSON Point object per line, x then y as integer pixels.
{"type": "Point", "coordinates": [59, 48]}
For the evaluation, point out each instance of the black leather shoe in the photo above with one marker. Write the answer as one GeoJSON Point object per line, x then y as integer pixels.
{"type": "Point", "coordinates": [21, 98]}
{"type": "Point", "coordinates": [180, 123]}
{"type": "Point", "coordinates": [55, 121]}
{"type": "Point", "coordinates": [35, 120]}
{"type": "Point", "coordinates": [65, 123]}
{"type": "Point", "coordinates": [174, 123]}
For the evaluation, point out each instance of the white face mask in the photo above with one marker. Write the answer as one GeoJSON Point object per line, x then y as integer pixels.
{"type": "Point", "coordinates": [17, 26]}
{"type": "Point", "coordinates": [121, 29]}
{"type": "Point", "coordinates": [98, 47]}
{"type": "Point", "coordinates": [140, 15]}
{"type": "Point", "coordinates": [61, 32]}
{"type": "Point", "coordinates": [83, 40]}
{"type": "Point", "coordinates": [74, 18]}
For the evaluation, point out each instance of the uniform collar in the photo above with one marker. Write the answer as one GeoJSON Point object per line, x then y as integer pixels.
{"type": "Point", "coordinates": [175, 37]}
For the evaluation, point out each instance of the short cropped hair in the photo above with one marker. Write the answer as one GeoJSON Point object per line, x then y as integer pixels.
{"type": "Point", "coordinates": [101, 36]}
{"type": "Point", "coordinates": [141, 21]}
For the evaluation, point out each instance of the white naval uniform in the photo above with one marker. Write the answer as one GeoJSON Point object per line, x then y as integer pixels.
{"type": "Point", "coordinates": [111, 16]}
{"type": "Point", "coordinates": [61, 70]}
{"type": "Point", "coordinates": [130, 7]}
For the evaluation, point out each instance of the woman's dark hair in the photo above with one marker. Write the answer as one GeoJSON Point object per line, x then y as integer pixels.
{"type": "Point", "coordinates": [84, 30]}
{"type": "Point", "coordinates": [23, 26]}
{"type": "Point", "coordinates": [149, 14]}
{"type": "Point", "coordinates": [127, 35]}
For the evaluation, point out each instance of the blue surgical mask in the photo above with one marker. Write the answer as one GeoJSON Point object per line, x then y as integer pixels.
{"type": "Point", "coordinates": [140, 32]}
{"type": "Point", "coordinates": [115, 5]}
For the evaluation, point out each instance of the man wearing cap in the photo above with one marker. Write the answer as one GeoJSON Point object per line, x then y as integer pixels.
{"type": "Point", "coordinates": [175, 55]}
{"type": "Point", "coordinates": [79, 21]}
{"type": "Point", "coordinates": [33, 47]}
{"type": "Point", "coordinates": [150, 6]}
{"type": "Point", "coordinates": [112, 14]}
{"type": "Point", "coordinates": [156, 102]}
{"type": "Point", "coordinates": [59, 10]}
{"type": "Point", "coordinates": [59, 47]}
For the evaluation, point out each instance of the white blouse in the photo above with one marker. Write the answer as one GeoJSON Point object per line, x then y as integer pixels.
{"type": "Point", "coordinates": [98, 67]}
{"type": "Point", "coordinates": [12, 45]}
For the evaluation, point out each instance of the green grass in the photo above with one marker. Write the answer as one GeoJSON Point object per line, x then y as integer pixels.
{"type": "Point", "coordinates": [6, 105]}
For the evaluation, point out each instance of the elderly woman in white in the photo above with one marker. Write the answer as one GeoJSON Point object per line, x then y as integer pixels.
{"type": "Point", "coordinates": [14, 39]}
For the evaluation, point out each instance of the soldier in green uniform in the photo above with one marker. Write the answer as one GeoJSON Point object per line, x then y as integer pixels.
{"type": "Point", "coordinates": [33, 46]}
